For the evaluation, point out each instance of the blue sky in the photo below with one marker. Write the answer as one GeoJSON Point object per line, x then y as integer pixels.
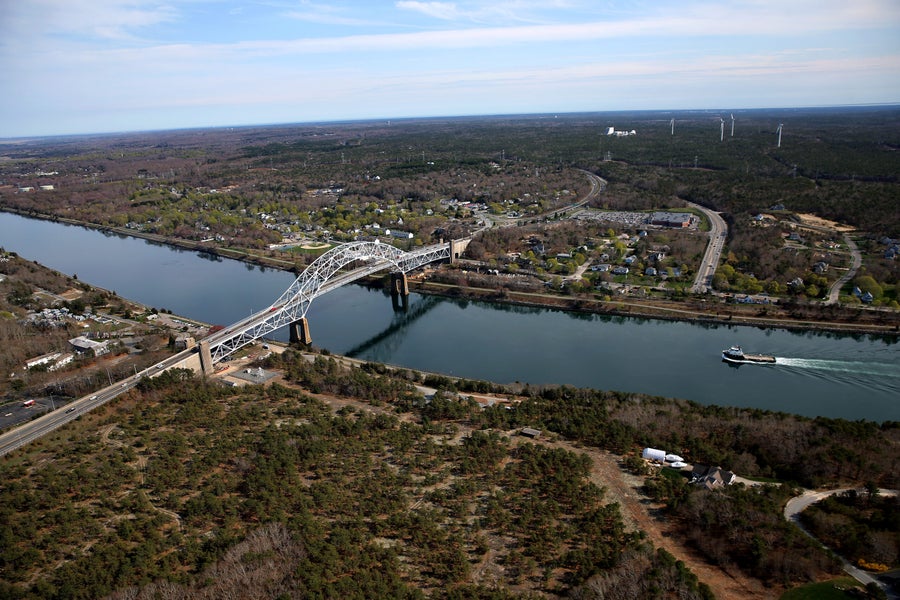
{"type": "Point", "coordinates": [87, 66]}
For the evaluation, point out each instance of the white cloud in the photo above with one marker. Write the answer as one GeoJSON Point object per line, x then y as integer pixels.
{"type": "Point", "coordinates": [492, 11]}
{"type": "Point", "coordinates": [438, 10]}
{"type": "Point", "coordinates": [104, 19]}
{"type": "Point", "coordinates": [327, 14]}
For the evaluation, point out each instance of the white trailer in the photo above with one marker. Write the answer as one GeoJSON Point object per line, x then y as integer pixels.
{"type": "Point", "coordinates": [654, 454]}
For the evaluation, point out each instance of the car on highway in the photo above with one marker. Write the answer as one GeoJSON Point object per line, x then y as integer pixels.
{"type": "Point", "coordinates": [70, 409]}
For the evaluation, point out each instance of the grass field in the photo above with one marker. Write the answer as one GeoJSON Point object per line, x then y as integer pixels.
{"type": "Point", "coordinates": [836, 589]}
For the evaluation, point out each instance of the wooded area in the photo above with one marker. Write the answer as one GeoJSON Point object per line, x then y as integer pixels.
{"type": "Point", "coordinates": [183, 484]}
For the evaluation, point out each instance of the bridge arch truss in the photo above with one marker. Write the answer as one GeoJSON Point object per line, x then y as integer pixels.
{"type": "Point", "coordinates": [326, 273]}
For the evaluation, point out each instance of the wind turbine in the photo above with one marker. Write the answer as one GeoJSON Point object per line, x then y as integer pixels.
{"type": "Point", "coordinates": [672, 123]}
{"type": "Point", "coordinates": [722, 129]}
{"type": "Point", "coordinates": [778, 131]}
{"type": "Point", "coordinates": [732, 124]}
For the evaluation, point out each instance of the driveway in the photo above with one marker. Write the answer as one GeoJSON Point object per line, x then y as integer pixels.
{"type": "Point", "coordinates": [856, 262]}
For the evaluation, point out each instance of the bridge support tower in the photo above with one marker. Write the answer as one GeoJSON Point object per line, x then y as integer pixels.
{"type": "Point", "coordinates": [457, 247]}
{"type": "Point", "coordinates": [399, 291]}
{"type": "Point", "coordinates": [300, 332]}
{"type": "Point", "coordinates": [206, 362]}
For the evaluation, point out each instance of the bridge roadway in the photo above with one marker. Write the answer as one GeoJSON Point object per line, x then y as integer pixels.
{"type": "Point", "coordinates": [237, 335]}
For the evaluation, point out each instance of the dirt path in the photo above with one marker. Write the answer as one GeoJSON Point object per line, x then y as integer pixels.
{"type": "Point", "coordinates": [637, 513]}
{"type": "Point", "coordinates": [624, 488]}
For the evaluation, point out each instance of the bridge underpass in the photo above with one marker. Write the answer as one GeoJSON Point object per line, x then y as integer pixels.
{"type": "Point", "coordinates": [325, 274]}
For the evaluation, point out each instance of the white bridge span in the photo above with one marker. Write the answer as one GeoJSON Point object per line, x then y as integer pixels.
{"type": "Point", "coordinates": [323, 275]}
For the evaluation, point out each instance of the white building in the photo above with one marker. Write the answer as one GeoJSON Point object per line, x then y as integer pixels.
{"type": "Point", "coordinates": [83, 345]}
{"type": "Point", "coordinates": [42, 360]}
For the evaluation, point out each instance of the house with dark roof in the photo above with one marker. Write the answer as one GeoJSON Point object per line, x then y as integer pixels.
{"type": "Point", "coordinates": [711, 477]}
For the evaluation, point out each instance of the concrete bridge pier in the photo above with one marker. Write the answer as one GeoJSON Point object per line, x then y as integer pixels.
{"type": "Point", "coordinates": [457, 248]}
{"type": "Point", "coordinates": [399, 291]}
{"type": "Point", "coordinates": [299, 332]}
{"type": "Point", "coordinates": [206, 362]}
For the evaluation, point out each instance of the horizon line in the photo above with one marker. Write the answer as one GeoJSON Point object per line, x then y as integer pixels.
{"type": "Point", "coordinates": [27, 138]}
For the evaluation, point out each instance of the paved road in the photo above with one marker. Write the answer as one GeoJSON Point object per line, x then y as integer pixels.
{"type": "Point", "coordinates": [718, 232]}
{"type": "Point", "coordinates": [598, 184]}
{"type": "Point", "coordinates": [798, 504]}
{"type": "Point", "coordinates": [856, 257]}
{"type": "Point", "coordinates": [33, 430]}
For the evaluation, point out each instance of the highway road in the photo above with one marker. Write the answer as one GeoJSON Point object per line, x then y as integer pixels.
{"type": "Point", "coordinates": [718, 233]}
{"type": "Point", "coordinates": [598, 184]}
{"type": "Point", "coordinates": [48, 422]}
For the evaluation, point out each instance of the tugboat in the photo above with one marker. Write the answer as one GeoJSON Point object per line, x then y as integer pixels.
{"type": "Point", "coordinates": [736, 355]}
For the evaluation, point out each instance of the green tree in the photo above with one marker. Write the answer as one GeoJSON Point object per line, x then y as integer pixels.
{"type": "Point", "coordinates": [866, 283]}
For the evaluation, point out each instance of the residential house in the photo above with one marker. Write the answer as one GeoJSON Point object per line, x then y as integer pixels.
{"type": "Point", "coordinates": [865, 297]}
{"type": "Point", "coordinates": [711, 477]}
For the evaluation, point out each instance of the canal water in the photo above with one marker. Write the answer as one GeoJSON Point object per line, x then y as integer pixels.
{"type": "Point", "coordinates": [816, 374]}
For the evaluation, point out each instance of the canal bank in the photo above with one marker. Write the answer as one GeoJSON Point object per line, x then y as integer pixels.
{"type": "Point", "coordinates": [704, 309]}
{"type": "Point", "coordinates": [691, 311]}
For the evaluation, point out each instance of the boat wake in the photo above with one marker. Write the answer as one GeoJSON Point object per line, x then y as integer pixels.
{"type": "Point", "coordinates": [841, 366]}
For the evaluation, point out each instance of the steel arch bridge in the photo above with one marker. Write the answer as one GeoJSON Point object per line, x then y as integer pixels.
{"type": "Point", "coordinates": [323, 275]}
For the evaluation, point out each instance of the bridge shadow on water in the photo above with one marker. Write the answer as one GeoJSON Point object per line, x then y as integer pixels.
{"type": "Point", "coordinates": [401, 320]}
